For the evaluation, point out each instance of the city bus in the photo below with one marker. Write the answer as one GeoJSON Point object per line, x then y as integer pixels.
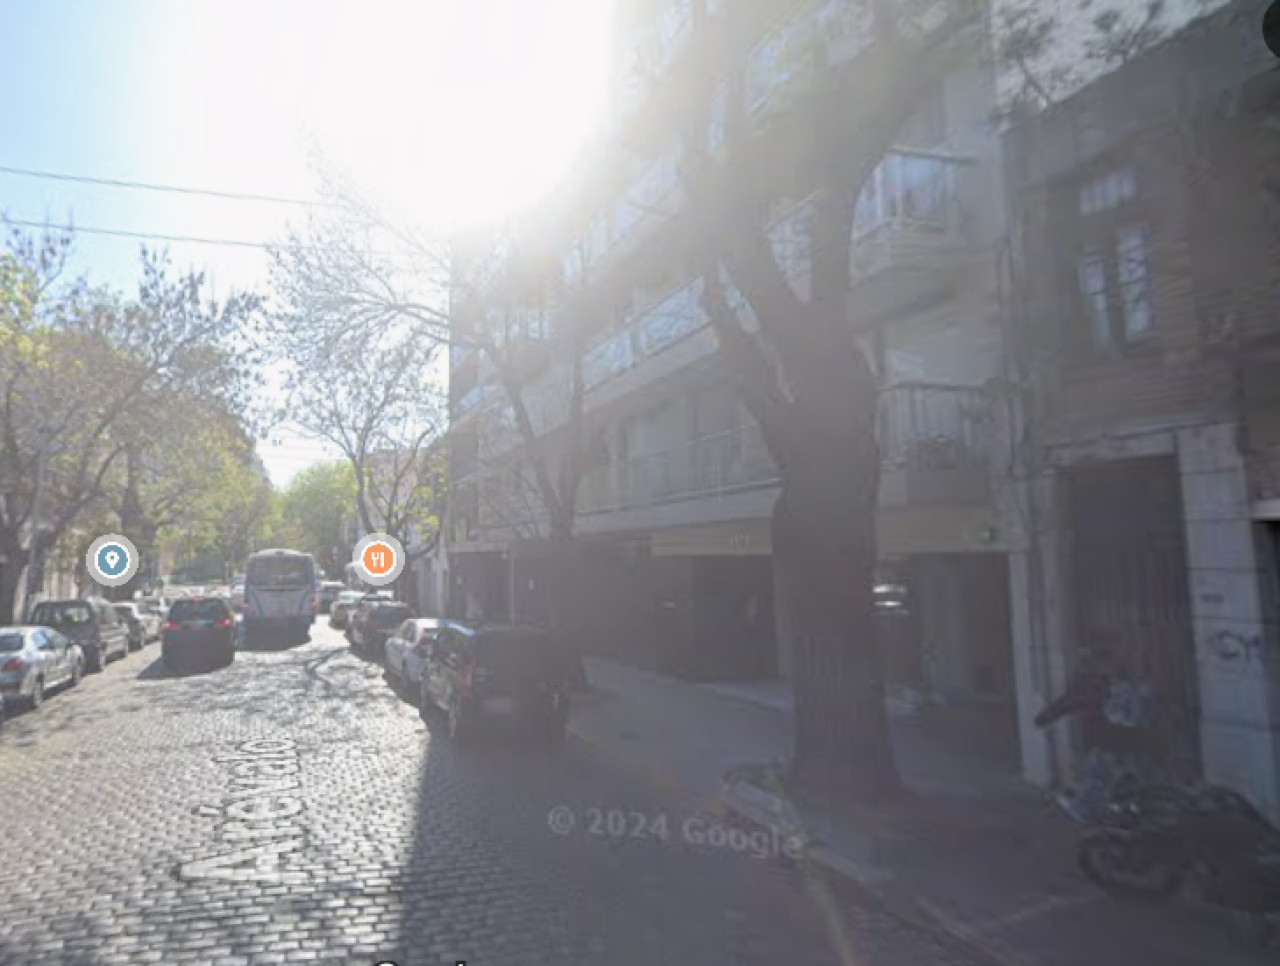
{"type": "Point", "coordinates": [281, 595]}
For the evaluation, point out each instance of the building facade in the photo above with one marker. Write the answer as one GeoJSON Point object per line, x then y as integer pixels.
{"type": "Point", "coordinates": [676, 487]}
{"type": "Point", "coordinates": [1078, 440]}
{"type": "Point", "coordinates": [1146, 307]}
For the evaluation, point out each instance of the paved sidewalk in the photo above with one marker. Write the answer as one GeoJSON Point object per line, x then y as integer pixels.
{"type": "Point", "coordinates": [973, 850]}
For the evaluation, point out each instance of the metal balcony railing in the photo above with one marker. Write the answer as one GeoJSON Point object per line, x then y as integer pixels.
{"type": "Point", "coordinates": [675, 317]}
{"type": "Point", "coordinates": [708, 466]}
{"type": "Point", "coordinates": [912, 190]}
{"type": "Point", "coordinates": [928, 426]}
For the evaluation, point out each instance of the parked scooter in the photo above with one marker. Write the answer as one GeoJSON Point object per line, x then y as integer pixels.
{"type": "Point", "coordinates": [1159, 838]}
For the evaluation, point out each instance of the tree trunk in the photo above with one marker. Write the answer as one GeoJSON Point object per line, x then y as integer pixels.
{"type": "Point", "coordinates": [824, 558]}
{"type": "Point", "coordinates": [11, 579]}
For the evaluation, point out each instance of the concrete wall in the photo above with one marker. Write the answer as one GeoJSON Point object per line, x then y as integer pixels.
{"type": "Point", "coordinates": [1240, 730]}
{"type": "Point", "coordinates": [1238, 683]}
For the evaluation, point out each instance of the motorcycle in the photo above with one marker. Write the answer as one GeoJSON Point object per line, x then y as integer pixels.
{"type": "Point", "coordinates": [1200, 842]}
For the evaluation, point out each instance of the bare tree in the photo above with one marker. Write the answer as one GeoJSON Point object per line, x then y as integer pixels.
{"type": "Point", "coordinates": [360, 295]}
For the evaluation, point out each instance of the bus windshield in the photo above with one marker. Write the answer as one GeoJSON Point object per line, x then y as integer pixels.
{"type": "Point", "coordinates": [280, 573]}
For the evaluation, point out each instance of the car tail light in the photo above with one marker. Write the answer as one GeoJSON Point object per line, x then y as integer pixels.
{"type": "Point", "coordinates": [225, 622]}
{"type": "Point", "coordinates": [315, 602]}
{"type": "Point", "coordinates": [13, 664]}
{"type": "Point", "coordinates": [170, 626]}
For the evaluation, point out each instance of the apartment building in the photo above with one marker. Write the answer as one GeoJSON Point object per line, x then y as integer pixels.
{"type": "Point", "coordinates": [676, 486]}
{"type": "Point", "coordinates": [1146, 316]}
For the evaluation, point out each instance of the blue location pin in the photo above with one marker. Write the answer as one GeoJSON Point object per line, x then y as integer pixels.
{"type": "Point", "coordinates": [113, 560]}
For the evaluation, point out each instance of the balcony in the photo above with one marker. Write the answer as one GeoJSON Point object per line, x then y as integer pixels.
{"type": "Point", "coordinates": [909, 234]}
{"type": "Point", "coordinates": [672, 319]}
{"type": "Point", "coordinates": [705, 467]}
{"type": "Point", "coordinates": [935, 444]}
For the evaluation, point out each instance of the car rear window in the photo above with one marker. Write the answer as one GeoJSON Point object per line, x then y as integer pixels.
{"type": "Point", "coordinates": [280, 573]}
{"type": "Point", "coordinates": [199, 610]}
{"type": "Point", "coordinates": [519, 653]}
{"type": "Point", "coordinates": [10, 643]}
{"type": "Point", "coordinates": [70, 614]}
{"type": "Point", "coordinates": [384, 615]}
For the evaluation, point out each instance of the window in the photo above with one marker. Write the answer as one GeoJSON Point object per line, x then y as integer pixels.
{"type": "Point", "coordinates": [1115, 291]}
{"type": "Point", "coordinates": [280, 573]}
{"type": "Point", "coordinates": [927, 127]}
{"type": "Point", "coordinates": [1109, 191]}
{"type": "Point", "coordinates": [1093, 289]}
{"type": "Point", "coordinates": [907, 186]}
{"type": "Point", "coordinates": [193, 609]}
{"type": "Point", "coordinates": [75, 614]}
{"type": "Point", "coordinates": [1131, 269]}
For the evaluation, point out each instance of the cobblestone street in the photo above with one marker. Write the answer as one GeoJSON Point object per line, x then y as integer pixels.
{"type": "Point", "coordinates": [292, 808]}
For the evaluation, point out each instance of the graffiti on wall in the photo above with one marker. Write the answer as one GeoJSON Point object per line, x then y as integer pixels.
{"type": "Point", "coordinates": [1232, 647]}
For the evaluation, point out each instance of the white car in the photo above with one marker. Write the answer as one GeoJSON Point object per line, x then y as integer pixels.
{"type": "Point", "coordinates": [34, 660]}
{"type": "Point", "coordinates": [406, 649]}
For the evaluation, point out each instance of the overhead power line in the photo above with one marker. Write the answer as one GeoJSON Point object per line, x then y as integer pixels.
{"type": "Point", "coordinates": [157, 236]}
{"type": "Point", "coordinates": [173, 189]}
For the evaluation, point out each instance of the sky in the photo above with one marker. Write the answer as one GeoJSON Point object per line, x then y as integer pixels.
{"type": "Point", "coordinates": [442, 111]}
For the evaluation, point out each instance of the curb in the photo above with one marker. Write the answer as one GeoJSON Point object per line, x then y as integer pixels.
{"type": "Point", "coordinates": [875, 881]}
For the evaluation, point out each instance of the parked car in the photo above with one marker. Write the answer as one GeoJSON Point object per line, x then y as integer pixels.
{"type": "Point", "coordinates": [366, 600]}
{"type": "Point", "coordinates": [329, 592]}
{"type": "Point", "coordinates": [158, 606]}
{"type": "Point", "coordinates": [141, 624]}
{"type": "Point", "coordinates": [35, 660]}
{"type": "Point", "coordinates": [341, 608]}
{"type": "Point", "coordinates": [406, 649]}
{"type": "Point", "coordinates": [497, 675]}
{"type": "Point", "coordinates": [90, 622]}
{"type": "Point", "coordinates": [373, 624]}
{"type": "Point", "coordinates": [200, 632]}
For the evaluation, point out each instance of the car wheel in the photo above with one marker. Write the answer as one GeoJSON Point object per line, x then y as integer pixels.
{"type": "Point", "coordinates": [37, 694]}
{"type": "Point", "coordinates": [425, 704]}
{"type": "Point", "coordinates": [95, 662]}
{"type": "Point", "coordinates": [77, 672]}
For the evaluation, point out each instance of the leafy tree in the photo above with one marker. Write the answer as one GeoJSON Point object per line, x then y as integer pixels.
{"type": "Point", "coordinates": [77, 365]}
{"type": "Point", "coordinates": [316, 505]}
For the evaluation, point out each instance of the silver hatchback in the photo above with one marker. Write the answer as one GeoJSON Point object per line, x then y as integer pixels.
{"type": "Point", "coordinates": [34, 660]}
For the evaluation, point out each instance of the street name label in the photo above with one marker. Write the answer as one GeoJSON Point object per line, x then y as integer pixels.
{"type": "Point", "coordinates": [256, 817]}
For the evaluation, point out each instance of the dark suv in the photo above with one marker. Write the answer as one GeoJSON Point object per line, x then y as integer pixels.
{"type": "Point", "coordinates": [515, 676]}
{"type": "Point", "coordinates": [198, 631]}
{"type": "Point", "coordinates": [90, 622]}
{"type": "Point", "coordinates": [371, 625]}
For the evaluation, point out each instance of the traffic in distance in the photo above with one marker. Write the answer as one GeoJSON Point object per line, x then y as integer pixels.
{"type": "Point", "coordinates": [479, 678]}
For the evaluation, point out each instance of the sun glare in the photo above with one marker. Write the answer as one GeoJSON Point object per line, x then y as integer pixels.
{"type": "Point", "coordinates": [456, 111]}
{"type": "Point", "coordinates": [445, 111]}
